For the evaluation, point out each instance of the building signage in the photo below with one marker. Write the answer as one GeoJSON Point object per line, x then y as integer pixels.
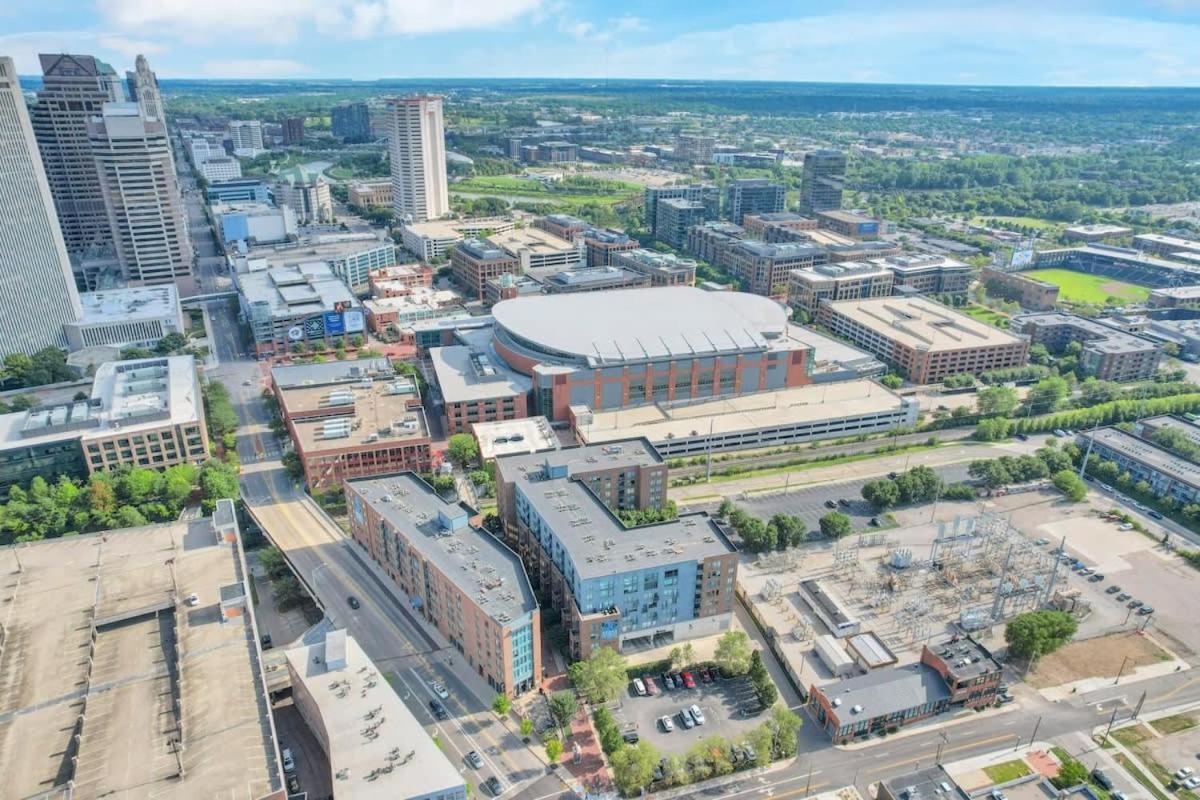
{"type": "Point", "coordinates": [295, 333]}
{"type": "Point", "coordinates": [333, 324]}
{"type": "Point", "coordinates": [314, 327]}
{"type": "Point", "coordinates": [354, 320]}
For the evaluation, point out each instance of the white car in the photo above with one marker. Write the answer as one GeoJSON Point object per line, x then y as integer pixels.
{"type": "Point", "coordinates": [1183, 772]}
{"type": "Point", "coordinates": [1192, 782]}
{"type": "Point", "coordinates": [639, 687]}
{"type": "Point", "coordinates": [667, 724]}
{"type": "Point", "coordinates": [439, 690]}
{"type": "Point", "coordinates": [289, 764]}
{"type": "Point", "coordinates": [193, 599]}
{"type": "Point", "coordinates": [696, 713]}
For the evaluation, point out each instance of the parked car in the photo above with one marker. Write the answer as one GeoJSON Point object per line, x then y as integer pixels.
{"type": "Point", "coordinates": [475, 760]}
{"type": "Point", "coordinates": [1146, 611]}
{"type": "Point", "coordinates": [685, 719]}
{"type": "Point", "coordinates": [1101, 777]}
{"type": "Point", "coordinates": [689, 681]}
{"type": "Point", "coordinates": [266, 641]}
{"type": "Point", "coordinates": [678, 676]}
{"type": "Point", "coordinates": [492, 784]}
{"type": "Point", "coordinates": [843, 502]}
{"type": "Point", "coordinates": [1154, 514]}
{"type": "Point", "coordinates": [1183, 772]}
{"type": "Point", "coordinates": [352, 601]}
{"type": "Point", "coordinates": [705, 675]}
{"type": "Point", "coordinates": [892, 476]}
{"type": "Point", "coordinates": [639, 688]}
{"type": "Point", "coordinates": [293, 784]}
{"type": "Point", "coordinates": [1134, 604]}
{"type": "Point", "coordinates": [289, 763]}
{"type": "Point", "coordinates": [696, 713]}
{"type": "Point", "coordinates": [1024, 437]}
{"type": "Point", "coordinates": [631, 737]}
{"type": "Point", "coordinates": [651, 688]}
{"type": "Point", "coordinates": [1060, 433]}
{"type": "Point", "coordinates": [1192, 782]}
{"type": "Point", "coordinates": [1113, 589]}
{"type": "Point", "coordinates": [665, 723]}
{"type": "Point", "coordinates": [874, 522]}
{"type": "Point", "coordinates": [1123, 596]}
{"type": "Point", "coordinates": [830, 504]}
{"type": "Point", "coordinates": [1125, 526]}
{"type": "Point", "coordinates": [439, 690]}
{"type": "Point", "coordinates": [1097, 578]}
{"type": "Point", "coordinates": [668, 681]}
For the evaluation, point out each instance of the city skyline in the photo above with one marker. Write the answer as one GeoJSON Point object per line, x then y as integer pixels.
{"type": "Point", "coordinates": [1100, 43]}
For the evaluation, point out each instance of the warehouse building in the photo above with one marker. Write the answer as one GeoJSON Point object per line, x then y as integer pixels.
{"type": "Point", "coordinates": [925, 341]}
{"type": "Point", "coordinates": [1108, 353]}
{"type": "Point", "coordinates": [458, 577]}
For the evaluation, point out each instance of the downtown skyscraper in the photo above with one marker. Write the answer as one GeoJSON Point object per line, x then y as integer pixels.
{"type": "Point", "coordinates": [36, 285]}
{"type": "Point", "coordinates": [418, 154]}
{"type": "Point", "coordinates": [143, 89]}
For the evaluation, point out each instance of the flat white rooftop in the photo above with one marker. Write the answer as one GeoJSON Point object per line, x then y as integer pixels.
{"type": "Point", "coordinates": [128, 305]}
{"type": "Point", "coordinates": [922, 324]}
{"type": "Point", "coordinates": [528, 435]}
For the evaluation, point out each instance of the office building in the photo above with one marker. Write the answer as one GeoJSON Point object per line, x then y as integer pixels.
{"type": "Point", "coordinates": [762, 226]}
{"type": "Point", "coordinates": [399, 280]}
{"type": "Point", "coordinates": [457, 576]}
{"type": "Point", "coordinates": [351, 257]}
{"type": "Point", "coordinates": [603, 244]}
{"type": "Point", "coordinates": [168, 684]}
{"type": "Point", "coordinates": [710, 241]}
{"type": "Point", "coordinates": [293, 131]}
{"type": "Point", "coordinates": [133, 317]}
{"type": "Point", "coordinates": [431, 241]}
{"type": "Point", "coordinates": [1095, 233]}
{"type": "Point", "coordinates": [475, 385]}
{"type": "Point", "coordinates": [556, 152]}
{"type": "Point", "coordinates": [306, 193]}
{"type": "Point", "coordinates": [694, 148]}
{"type": "Point", "coordinates": [240, 190]}
{"type": "Point", "coordinates": [707, 194]}
{"type": "Point", "coordinates": [371, 193]}
{"type": "Point", "coordinates": [254, 223]}
{"type": "Point", "coordinates": [1175, 297]}
{"type": "Point", "coordinates": [143, 89]}
{"type": "Point", "coordinates": [928, 274]}
{"type": "Point", "coordinates": [753, 196]}
{"type": "Point", "coordinates": [1161, 245]}
{"type": "Point", "coordinates": [822, 182]}
{"type": "Point", "coordinates": [36, 280]}
{"type": "Point", "coordinates": [352, 122]}
{"type": "Point", "coordinates": [1031, 293]}
{"type": "Point", "coordinates": [1108, 353]}
{"type": "Point", "coordinates": [663, 269]}
{"type": "Point", "coordinates": [476, 261]}
{"type": "Point", "coordinates": [352, 419]}
{"type": "Point", "coordinates": [846, 280]}
{"type": "Point", "coordinates": [74, 89]}
{"type": "Point", "coordinates": [417, 144]}
{"type": "Point", "coordinates": [143, 413]}
{"type": "Point", "coordinates": [362, 725]}
{"type": "Point", "coordinates": [762, 420]}
{"type": "Point", "coordinates": [849, 223]}
{"type": "Point", "coordinates": [201, 147]}
{"type": "Point", "coordinates": [247, 137]}
{"type": "Point", "coordinates": [764, 268]}
{"type": "Point", "coordinates": [954, 675]}
{"type": "Point", "coordinates": [221, 168]}
{"type": "Point", "coordinates": [394, 315]}
{"type": "Point", "coordinates": [301, 304]}
{"type": "Point", "coordinates": [564, 226]}
{"type": "Point", "coordinates": [925, 341]}
{"type": "Point", "coordinates": [146, 216]}
{"type": "Point", "coordinates": [1169, 475]}
{"type": "Point", "coordinates": [675, 216]}
{"type": "Point", "coordinates": [614, 585]}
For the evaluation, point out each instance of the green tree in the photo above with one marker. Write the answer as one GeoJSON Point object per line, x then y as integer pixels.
{"type": "Point", "coordinates": [1070, 484]}
{"type": "Point", "coordinates": [463, 449]}
{"type": "Point", "coordinates": [554, 749]}
{"type": "Point", "coordinates": [786, 728]}
{"type": "Point", "coordinates": [881, 494]}
{"type": "Point", "coordinates": [501, 704]}
{"type": "Point", "coordinates": [683, 656]}
{"type": "Point", "coordinates": [835, 525]}
{"type": "Point", "coordinates": [563, 706]}
{"type": "Point", "coordinates": [996, 401]}
{"type": "Point", "coordinates": [993, 429]}
{"type": "Point", "coordinates": [633, 767]}
{"type": "Point", "coordinates": [600, 678]}
{"type": "Point", "coordinates": [733, 651]}
{"type": "Point", "coordinates": [992, 473]}
{"type": "Point", "coordinates": [1072, 773]}
{"type": "Point", "coordinates": [1036, 633]}
{"type": "Point", "coordinates": [526, 727]}
{"type": "Point", "coordinates": [892, 381]}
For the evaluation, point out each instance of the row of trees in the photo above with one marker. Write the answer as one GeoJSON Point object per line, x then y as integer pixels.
{"type": "Point", "coordinates": [1037, 633]}
{"type": "Point", "coordinates": [1109, 413]}
{"type": "Point", "coordinates": [48, 365]}
{"type": "Point", "coordinates": [917, 485]}
{"type": "Point", "coordinates": [779, 533]}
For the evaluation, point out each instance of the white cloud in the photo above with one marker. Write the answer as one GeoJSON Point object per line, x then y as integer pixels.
{"type": "Point", "coordinates": [278, 21]}
{"type": "Point", "coordinates": [256, 68]}
{"type": "Point", "coordinates": [120, 50]}
{"type": "Point", "coordinates": [628, 24]}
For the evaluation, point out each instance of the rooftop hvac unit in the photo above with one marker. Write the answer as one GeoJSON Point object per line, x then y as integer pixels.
{"type": "Point", "coordinates": [341, 397]}
{"type": "Point", "coordinates": [336, 429]}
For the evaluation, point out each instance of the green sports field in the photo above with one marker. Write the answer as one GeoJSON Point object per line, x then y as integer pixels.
{"type": "Point", "coordinates": [1096, 289]}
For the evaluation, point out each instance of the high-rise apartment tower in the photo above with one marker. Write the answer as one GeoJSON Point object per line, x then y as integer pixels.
{"type": "Point", "coordinates": [418, 153]}
{"type": "Point", "coordinates": [823, 180]}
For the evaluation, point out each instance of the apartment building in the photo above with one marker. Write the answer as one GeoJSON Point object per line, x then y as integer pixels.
{"type": "Point", "coordinates": [924, 341]}
{"type": "Point", "coordinates": [704, 193]}
{"type": "Point", "coordinates": [763, 268]}
{"type": "Point", "coordinates": [474, 262]}
{"type": "Point", "coordinates": [458, 577]}
{"type": "Point", "coordinates": [929, 274]}
{"type": "Point", "coordinates": [675, 216]}
{"type": "Point", "coordinates": [564, 226]}
{"type": "Point", "coordinates": [758, 226]}
{"type": "Point", "coordinates": [847, 280]}
{"type": "Point", "coordinates": [694, 148]}
{"type": "Point", "coordinates": [1169, 475]}
{"type": "Point", "coordinates": [711, 241]}
{"type": "Point", "coordinates": [247, 137]}
{"type": "Point", "coordinates": [537, 249]}
{"type": "Point", "coordinates": [1108, 353]}
{"type": "Point", "coordinates": [220, 168]}
{"type": "Point", "coordinates": [613, 585]}
{"type": "Point", "coordinates": [663, 269]}
{"type": "Point", "coordinates": [398, 280]}
{"type": "Point", "coordinates": [753, 196]}
{"type": "Point", "coordinates": [603, 244]}
{"type": "Point", "coordinates": [306, 193]}
{"type": "Point", "coordinates": [292, 131]}
{"type": "Point", "coordinates": [417, 142]}
{"type": "Point", "coordinates": [352, 419]}
{"type": "Point", "coordinates": [351, 122]}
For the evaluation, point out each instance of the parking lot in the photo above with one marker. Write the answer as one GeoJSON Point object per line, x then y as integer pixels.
{"type": "Point", "coordinates": [721, 702]}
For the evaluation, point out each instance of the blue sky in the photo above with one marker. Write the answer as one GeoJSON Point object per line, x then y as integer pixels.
{"type": "Point", "coordinates": [1053, 42]}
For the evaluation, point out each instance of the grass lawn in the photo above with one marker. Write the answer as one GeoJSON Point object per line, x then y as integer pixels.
{"type": "Point", "coordinates": [1131, 736]}
{"type": "Point", "coordinates": [605, 192]}
{"type": "Point", "coordinates": [340, 173]}
{"type": "Point", "coordinates": [1175, 724]}
{"type": "Point", "coordinates": [1081, 288]}
{"type": "Point", "coordinates": [720, 475]}
{"type": "Point", "coordinates": [1007, 771]}
{"type": "Point", "coordinates": [1129, 766]}
{"type": "Point", "coordinates": [988, 316]}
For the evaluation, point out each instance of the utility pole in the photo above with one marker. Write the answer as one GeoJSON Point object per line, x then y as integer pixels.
{"type": "Point", "coordinates": [1138, 708]}
{"type": "Point", "coordinates": [1036, 725]}
{"type": "Point", "coordinates": [1121, 671]}
{"type": "Point", "coordinates": [808, 784]}
{"type": "Point", "coordinates": [945, 739]}
{"type": "Point", "coordinates": [1111, 721]}
{"type": "Point", "coordinates": [1088, 454]}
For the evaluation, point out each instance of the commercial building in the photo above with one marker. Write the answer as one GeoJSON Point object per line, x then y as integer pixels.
{"type": "Point", "coordinates": [243, 190]}
{"type": "Point", "coordinates": [610, 350]}
{"type": "Point", "coordinates": [458, 577]}
{"type": "Point", "coordinates": [1033, 294]}
{"type": "Point", "coordinates": [663, 269]}
{"type": "Point", "coordinates": [431, 241]}
{"type": "Point", "coordinates": [555, 152]}
{"type": "Point", "coordinates": [566, 281]}
{"type": "Point", "coordinates": [1122, 263]}
{"type": "Point", "coordinates": [351, 257]}
{"type": "Point", "coordinates": [613, 585]}
{"type": "Point", "coordinates": [1162, 245]}
{"type": "Point", "coordinates": [848, 280]}
{"type": "Point", "coordinates": [760, 226]}
{"type": "Point", "coordinates": [923, 340]}
{"type": "Point", "coordinates": [163, 685]}
{"type": "Point", "coordinates": [928, 782]}
{"type": "Point", "coordinates": [1169, 475]}
{"type": "Point", "coordinates": [363, 726]}
{"type": "Point", "coordinates": [1108, 353]}
{"type": "Point", "coordinates": [929, 274]}
{"type": "Point", "coordinates": [1094, 233]}
{"type": "Point", "coordinates": [509, 437]}
{"type": "Point", "coordinates": [136, 171]}
{"type": "Point", "coordinates": [753, 196]}
{"type": "Point", "coordinates": [1149, 426]}
{"type": "Point", "coordinates": [398, 280]}
{"type": "Point", "coordinates": [293, 131]}
{"type": "Point", "coordinates": [862, 251]}
{"type": "Point", "coordinates": [305, 192]}
{"type": "Point", "coordinates": [1175, 297]}
{"type": "Point", "coordinates": [764, 268]}
{"type": "Point", "coordinates": [255, 223]}
{"type": "Point", "coordinates": [74, 89]}
{"type": "Point", "coordinates": [220, 168]}
{"type": "Point", "coordinates": [144, 413]}
{"type": "Point", "coordinates": [371, 193]}
{"type": "Point", "coordinates": [694, 148]}
{"type": "Point", "coordinates": [476, 386]}
{"type": "Point", "coordinates": [675, 216]}
{"type": "Point", "coordinates": [351, 122]}
{"type": "Point", "coordinates": [352, 419]}
{"type": "Point", "coordinates": [849, 223]}
{"type": "Point", "coordinates": [957, 674]}
{"type": "Point", "coordinates": [474, 262]}
{"type": "Point", "coordinates": [36, 281]}
{"type": "Point", "coordinates": [822, 182]}
{"type": "Point", "coordinates": [134, 317]}
{"type": "Point", "coordinates": [247, 137]}
{"type": "Point", "coordinates": [765, 419]}
{"type": "Point", "coordinates": [297, 304]}
{"type": "Point", "coordinates": [394, 314]}
{"type": "Point", "coordinates": [418, 155]}
{"type": "Point", "coordinates": [706, 194]}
